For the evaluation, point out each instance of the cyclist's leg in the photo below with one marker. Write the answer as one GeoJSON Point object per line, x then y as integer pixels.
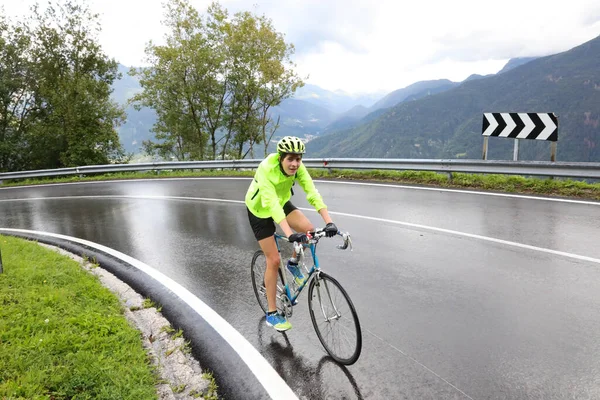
{"type": "Point", "coordinates": [299, 222]}
{"type": "Point", "coordinates": [269, 247]}
{"type": "Point", "coordinates": [264, 229]}
{"type": "Point", "coordinates": [297, 219]}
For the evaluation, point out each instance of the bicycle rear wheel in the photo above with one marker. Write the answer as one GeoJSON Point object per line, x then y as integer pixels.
{"type": "Point", "coordinates": [257, 271]}
{"type": "Point", "coordinates": [335, 320]}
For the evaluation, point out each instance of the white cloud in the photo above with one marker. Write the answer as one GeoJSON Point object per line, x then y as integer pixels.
{"type": "Point", "coordinates": [377, 45]}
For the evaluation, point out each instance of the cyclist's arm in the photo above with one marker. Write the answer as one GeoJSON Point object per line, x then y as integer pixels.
{"type": "Point", "coordinates": [325, 215]}
{"type": "Point", "coordinates": [285, 227]}
{"type": "Point", "coordinates": [312, 194]}
{"type": "Point", "coordinates": [268, 197]}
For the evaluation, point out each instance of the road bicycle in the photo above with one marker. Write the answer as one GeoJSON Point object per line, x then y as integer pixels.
{"type": "Point", "coordinates": [332, 312]}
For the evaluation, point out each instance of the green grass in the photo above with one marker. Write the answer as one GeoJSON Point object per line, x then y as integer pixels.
{"type": "Point", "coordinates": [500, 183]}
{"type": "Point", "coordinates": [127, 175]}
{"type": "Point", "coordinates": [148, 303]}
{"type": "Point", "coordinates": [62, 334]}
{"type": "Point", "coordinates": [211, 393]}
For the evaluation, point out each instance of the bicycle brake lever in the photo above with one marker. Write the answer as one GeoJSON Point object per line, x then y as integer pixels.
{"type": "Point", "coordinates": [347, 242]}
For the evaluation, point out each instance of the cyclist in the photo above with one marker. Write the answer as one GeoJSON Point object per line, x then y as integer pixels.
{"type": "Point", "coordinates": [268, 202]}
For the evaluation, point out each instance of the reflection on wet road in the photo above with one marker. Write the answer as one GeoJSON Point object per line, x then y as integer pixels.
{"type": "Point", "coordinates": [443, 316]}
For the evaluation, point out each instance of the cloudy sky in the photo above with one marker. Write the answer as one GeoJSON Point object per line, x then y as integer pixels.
{"type": "Point", "coordinates": [364, 46]}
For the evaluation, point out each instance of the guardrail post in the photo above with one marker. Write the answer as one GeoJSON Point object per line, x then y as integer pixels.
{"type": "Point", "coordinates": [1, 270]}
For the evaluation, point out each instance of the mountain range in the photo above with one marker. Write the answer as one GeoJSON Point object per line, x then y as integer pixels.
{"type": "Point", "coordinates": [432, 119]}
{"type": "Point", "coordinates": [312, 112]}
{"type": "Point", "coordinates": [449, 124]}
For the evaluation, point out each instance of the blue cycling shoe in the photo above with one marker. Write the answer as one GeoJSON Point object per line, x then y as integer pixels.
{"type": "Point", "coordinates": [279, 322]}
{"type": "Point", "coordinates": [295, 270]}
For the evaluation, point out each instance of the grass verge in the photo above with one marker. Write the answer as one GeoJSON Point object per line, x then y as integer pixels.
{"type": "Point", "coordinates": [498, 183]}
{"type": "Point", "coordinates": [64, 335]}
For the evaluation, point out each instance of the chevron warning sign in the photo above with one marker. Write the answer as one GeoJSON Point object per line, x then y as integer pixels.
{"type": "Point", "coordinates": [539, 126]}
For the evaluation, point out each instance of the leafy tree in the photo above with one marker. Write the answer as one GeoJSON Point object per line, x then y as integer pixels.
{"type": "Point", "coordinates": [213, 82]}
{"type": "Point", "coordinates": [183, 85]}
{"type": "Point", "coordinates": [77, 118]}
{"type": "Point", "coordinates": [55, 91]}
{"type": "Point", "coordinates": [16, 95]}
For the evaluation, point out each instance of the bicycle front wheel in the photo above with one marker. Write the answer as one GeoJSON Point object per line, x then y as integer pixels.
{"type": "Point", "coordinates": [257, 270]}
{"type": "Point", "coordinates": [335, 320]}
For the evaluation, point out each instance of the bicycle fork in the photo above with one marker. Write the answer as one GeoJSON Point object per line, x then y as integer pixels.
{"type": "Point", "coordinates": [337, 315]}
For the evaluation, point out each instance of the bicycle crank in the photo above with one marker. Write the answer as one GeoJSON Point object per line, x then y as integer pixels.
{"type": "Point", "coordinates": [287, 306]}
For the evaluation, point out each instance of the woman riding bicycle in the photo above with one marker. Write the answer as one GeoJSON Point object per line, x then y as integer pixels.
{"type": "Point", "coordinates": [268, 202]}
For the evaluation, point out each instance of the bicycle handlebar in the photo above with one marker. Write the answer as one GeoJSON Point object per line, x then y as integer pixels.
{"type": "Point", "coordinates": [319, 233]}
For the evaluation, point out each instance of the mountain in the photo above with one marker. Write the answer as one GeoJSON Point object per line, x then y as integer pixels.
{"type": "Point", "coordinates": [416, 90]}
{"type": "Point", "coordinates": [476, 76]}
{"type": "Point", "coordinates": [138, 124]}
{"type": "Point", "coordinates": [338, 101]}
{"type": "Point", "coordinates": [125, 87]}
{"type": "Point", "coordinates": [360, 114]}
{"type": "Point", "coordinates": [301, 118]}
{"type": "Point", "coordinates": [347, 119]}
{"type": "Point", "coordinates": [516, 62]}
{"type": "Point", "coordinates": [448, 124]}
{"type": "Point", "coordinates": [412, 92]}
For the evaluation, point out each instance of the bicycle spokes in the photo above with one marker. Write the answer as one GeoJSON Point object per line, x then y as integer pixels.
{"type": "Point", "coordinates": [258, 270]}
{"type": "Point", "coordinates": [335, 320]}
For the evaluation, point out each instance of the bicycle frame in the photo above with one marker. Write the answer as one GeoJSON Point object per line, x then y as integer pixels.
{"type": "Point", "coordinates": [293, 297]}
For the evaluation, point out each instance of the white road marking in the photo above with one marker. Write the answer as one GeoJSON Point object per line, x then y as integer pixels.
{"type": "Point", "coordinates": [467, 192]}
{"type": "Point", "coordinates": [364, 217]}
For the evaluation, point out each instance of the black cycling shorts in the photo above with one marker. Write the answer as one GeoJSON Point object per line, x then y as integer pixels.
{"type": "Point", "coordinates": [265, 227]}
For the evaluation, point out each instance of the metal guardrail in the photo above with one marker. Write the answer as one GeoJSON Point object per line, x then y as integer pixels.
{"type": "Point", "coordinates": [534, 168]}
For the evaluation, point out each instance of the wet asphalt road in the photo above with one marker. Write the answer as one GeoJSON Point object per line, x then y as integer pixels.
{"type": "Point", "coordinates": [444, 316]}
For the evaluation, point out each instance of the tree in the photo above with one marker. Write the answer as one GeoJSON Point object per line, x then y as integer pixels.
{"type": "Point", "coordinates": [213, 82]}
{"type": "Point", "coordinates": [77, 119]}
{"type": "Point", "coordinates": [184, 84]}
{"type": "Point", "coordinates": [264, 75]}
{"type": "Point", "coordinates": [16, 95]}
{"type": "Point", "coordinates": [55, 87]}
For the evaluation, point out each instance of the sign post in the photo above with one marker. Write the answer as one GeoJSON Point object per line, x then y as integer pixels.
{"type": "Point", "coordinates": [537, 126]}
{"type": "Point", "coordinates": [485, 147]}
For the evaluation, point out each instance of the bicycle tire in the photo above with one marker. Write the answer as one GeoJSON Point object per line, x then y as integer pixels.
{"type": "Point", "coordinates": [350, 323]}
{"type": "Point", "coordinates": [257, 272]}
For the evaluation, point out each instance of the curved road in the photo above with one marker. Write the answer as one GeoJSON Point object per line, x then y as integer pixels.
{"type": "Point", "coordinates": [461, 295]}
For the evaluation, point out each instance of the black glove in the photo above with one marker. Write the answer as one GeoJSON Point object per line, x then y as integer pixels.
{"type": "Point", "coordinates": [298, 237]}
{"type": "Point", "coordinates": [330, 230]}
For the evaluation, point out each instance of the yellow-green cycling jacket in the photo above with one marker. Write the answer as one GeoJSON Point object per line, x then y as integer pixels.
{"type": "Point", "coordinates": [271, 189]}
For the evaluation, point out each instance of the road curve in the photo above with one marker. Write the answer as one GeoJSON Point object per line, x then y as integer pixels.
{"type": "Point", "coordinates": [461, 295]}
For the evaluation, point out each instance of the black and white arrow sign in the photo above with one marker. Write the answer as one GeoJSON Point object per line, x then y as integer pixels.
{"type": "Point", "coordinates": [539, 126]}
